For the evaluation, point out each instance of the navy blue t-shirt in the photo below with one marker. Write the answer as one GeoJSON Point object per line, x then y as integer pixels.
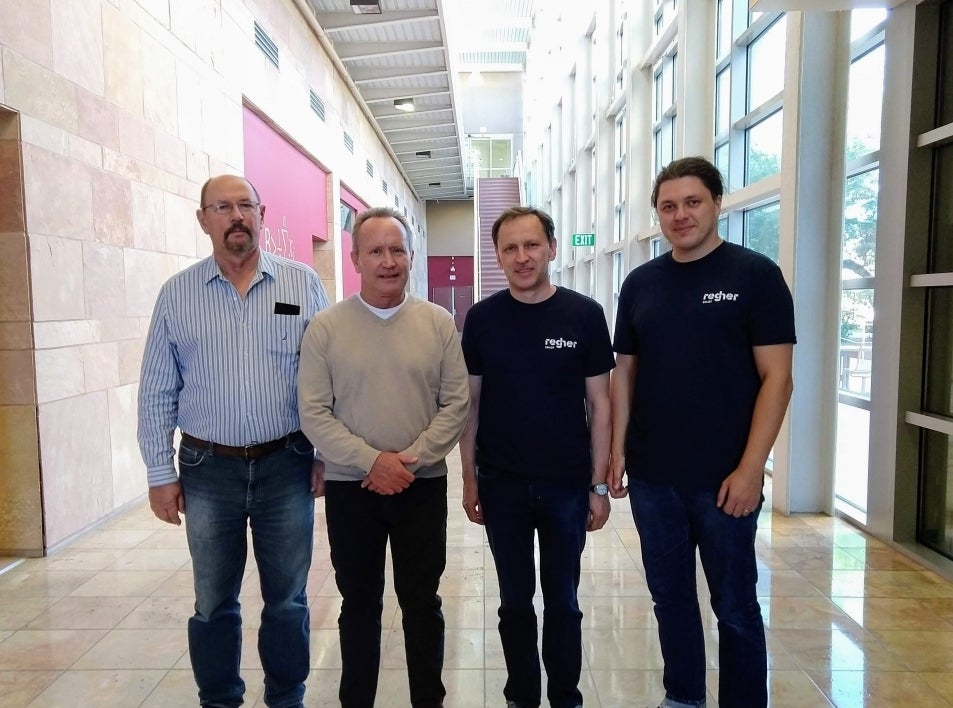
{"type": "Point", "coordinates": [534, 360]}
{"type": "Point", "coordinates": [692, 327]}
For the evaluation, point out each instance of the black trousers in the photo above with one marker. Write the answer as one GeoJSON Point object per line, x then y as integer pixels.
{"type": "Point", "coordinates": [360, 523]}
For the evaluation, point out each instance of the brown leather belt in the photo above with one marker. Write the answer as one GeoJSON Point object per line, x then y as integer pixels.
{"type": "Point", "coordinates": [246, 452]}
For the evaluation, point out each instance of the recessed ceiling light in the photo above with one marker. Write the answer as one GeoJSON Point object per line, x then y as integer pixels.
{"type": "Point", "coordinates": [404, 104]}
{"type": "Point", "coordinates": [366, 7]}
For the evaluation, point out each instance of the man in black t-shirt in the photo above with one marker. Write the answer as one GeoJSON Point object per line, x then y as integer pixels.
{"type": "Point", "coordinates": [536, 450]}
{"type": "Point", "coordinates": [704, 340]}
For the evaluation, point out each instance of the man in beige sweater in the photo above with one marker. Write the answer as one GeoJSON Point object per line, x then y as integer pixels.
{"type": "Point", "coordinates": [383, 395]}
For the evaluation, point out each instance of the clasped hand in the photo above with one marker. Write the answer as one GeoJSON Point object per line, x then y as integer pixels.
{"type": "Point", "coordinates": [389, 474]}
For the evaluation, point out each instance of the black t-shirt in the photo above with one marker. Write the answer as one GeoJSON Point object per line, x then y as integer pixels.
{"type": "Point", "coordinates": [534, 360]}
{"type": "Point", "coordinates": [692, 327]}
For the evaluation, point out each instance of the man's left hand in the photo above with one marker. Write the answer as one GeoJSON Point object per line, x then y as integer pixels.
{"type": "Point", "coordinates": [740, 493]}
{"type": "Point", "coordinates": [317, 479]}
{"type": "Point", "coordinates": [599, 509]}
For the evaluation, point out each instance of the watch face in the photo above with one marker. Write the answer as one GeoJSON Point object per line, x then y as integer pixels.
{"type": "Point", "coordinates": [601, 489]}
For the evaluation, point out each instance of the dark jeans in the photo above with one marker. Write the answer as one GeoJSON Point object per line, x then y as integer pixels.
{"type": "Point", "coordinates": [672, 523]}
{"type": "Point", "coordinates": [360, 522]}
{"type": "Point", "coordinates": [224, 495]}
{"type": "Point", "coordinates": [514, 511]}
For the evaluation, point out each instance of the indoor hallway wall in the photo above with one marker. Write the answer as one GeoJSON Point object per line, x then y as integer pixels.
{"type": "Point", "coordinates": [21, 526]}
{"type": "Point", "coordinates": [125, 108]}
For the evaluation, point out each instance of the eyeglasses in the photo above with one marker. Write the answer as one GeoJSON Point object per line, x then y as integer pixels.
{"type": "Point", "coordinates": [223, 208]}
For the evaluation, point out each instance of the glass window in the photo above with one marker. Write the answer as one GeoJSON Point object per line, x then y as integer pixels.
{"type": "Point", "coordinates": [941, 256]}
{"type": "Point", "coordinates": [664, 13]}
{"type": "Point", "coordinates": [766, 64]}
{"type": "Point", "coordinates": [945, 69]}
{"type": "Point", "coordinates": [721, 159]}
{"type": "Point", "coordinates": [936, 493]}
{"type": "Point", "coordinates": [348, 214]}
{"type": "Point", "coordinates": [620, 177]}
{"type": "Point", "coordinates": [763, 148]}
{"type": "Point", "coordinates": [722, 101]}
{"type": "Point", "coordinates": [620, 57]}
{"type": "Point", "coordinates": [481, 157]}
{"type": "Point", "coordinates": [618, 274]}
{"type": "Point", "coordinates": [724, 33]}
{"type": "Point", "coordinates": [856, 340]}
{"type": "Point", "coordinates": [762, 229]}
{"type": "Point", "coordinates": [592, 198]}
{"type": "Point", "coordinates": [859, 245]}
{"type": "Point", "coordinates": [863, 21]}
{"type": "Point", "coordinates": [851, 451]}
{"type": "Point", "coordinates": [938, 397]}
{"type": "Point", "coordinates": [501, 151]}
{"type": "Point", "coordinates": [864, 103]}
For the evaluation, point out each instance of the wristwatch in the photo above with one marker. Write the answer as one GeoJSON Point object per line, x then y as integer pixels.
{"type": "Point", "coordinates": [601, 489]}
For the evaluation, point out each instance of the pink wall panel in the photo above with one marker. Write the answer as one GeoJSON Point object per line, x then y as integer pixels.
{"type": "Point", "coordinates": [351, 280]}
{"type": "Point", "coordinates": [292, 187]}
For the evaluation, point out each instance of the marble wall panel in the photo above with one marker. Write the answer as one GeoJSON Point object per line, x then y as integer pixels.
{"type": "Point", "coordinates": [59, 374]}
{"type": "Point", "coordinates": [15, 305]}
{"type": "Point", "coordinates": [26, 28]}
{"type": "Point", "coordinates": [105, 281]}
{"type": "Point", "coordinates": [128, 470]}
{"type": "Point", "coordinates": [21, 512]}
{"type": "Point", "coordinates": [38, 92]}
{"type": "Point", "coordinates": [112, 215]}
{"type": "Point", "coordinates": [78, 43]}
{"type": "Point", "coordinates": [58, 193]}
{"type": "Point", "coordinates": [76, 465]}
{"type": "Point", "coordinates": [122, 60]}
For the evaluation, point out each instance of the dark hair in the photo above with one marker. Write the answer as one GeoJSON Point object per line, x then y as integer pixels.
{"type": "Point", "coordinates": [381, 213]}
{"type": "Point", "coordinates": [691, 167]}
{"type": "Point", "coordinates": [209, 181]}
{"type": "Point", "coordinates": [516, 212]}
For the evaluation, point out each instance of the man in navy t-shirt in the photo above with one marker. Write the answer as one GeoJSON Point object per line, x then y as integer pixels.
{"type": "Point", "coordinates": [536, 450]}
{"type": "Point", "coordinates": [704, 340]}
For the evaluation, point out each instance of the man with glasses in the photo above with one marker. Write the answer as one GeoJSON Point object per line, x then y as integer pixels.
{"type": "Point", "coordinates": [221, 364]}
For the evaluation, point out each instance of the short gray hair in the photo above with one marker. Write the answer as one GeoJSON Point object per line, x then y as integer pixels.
{"type": "Point", "coordinates": [383, 212]}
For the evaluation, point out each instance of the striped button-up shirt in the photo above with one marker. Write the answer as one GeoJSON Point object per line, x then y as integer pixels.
{"type": "Point", "coordinates": [222, 367]}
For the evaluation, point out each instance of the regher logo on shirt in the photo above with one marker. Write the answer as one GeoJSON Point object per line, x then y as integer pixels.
{"type": "Point", "coordinates": [720, 296]}
{"type": "Point", "coordinates": [559, 343]}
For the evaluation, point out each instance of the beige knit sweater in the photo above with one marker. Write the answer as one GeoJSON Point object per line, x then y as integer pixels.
{"type": "Point", "coordinates": [367, 385]}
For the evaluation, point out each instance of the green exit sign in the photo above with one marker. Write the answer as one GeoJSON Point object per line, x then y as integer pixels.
{"type": "Point", "coordinates": [583, 239]}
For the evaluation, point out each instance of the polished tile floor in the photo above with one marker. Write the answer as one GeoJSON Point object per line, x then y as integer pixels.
{"type": "Point", "coordinates": [850, 622]}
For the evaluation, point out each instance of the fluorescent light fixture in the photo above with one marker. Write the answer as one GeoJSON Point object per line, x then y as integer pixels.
{"type": "Point", "coordinates": [422, 153]}
{"type": "Point", "coordinates": [366, 7]}
{"type": "Point", "coordinates": [404, 104]}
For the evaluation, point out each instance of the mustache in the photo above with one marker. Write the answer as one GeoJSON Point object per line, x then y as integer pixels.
{"type": "Point", "coordinates": [235, 228]}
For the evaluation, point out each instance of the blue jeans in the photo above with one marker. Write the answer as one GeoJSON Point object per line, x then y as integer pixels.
{"type": "Point", "coordinates": [514, 511]}
{"type": "Point", "coordinates": [672, 523]}
{"type": "Point", "coordinates": [272, 494]}
{"type": "Point", "coordinates": [360, 522]}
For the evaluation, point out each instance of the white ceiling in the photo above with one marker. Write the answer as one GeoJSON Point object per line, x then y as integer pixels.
{"type": "Point", "coordinates": [403, 53]}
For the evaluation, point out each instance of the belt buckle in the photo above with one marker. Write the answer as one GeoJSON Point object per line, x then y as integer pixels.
{"type": "Point", "coordinates": [246, 451]}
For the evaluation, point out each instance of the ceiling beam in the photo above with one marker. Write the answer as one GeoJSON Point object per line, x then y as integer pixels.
{"type": "Point", "coordinates": [382, 95]}
{"type": "Point", "coordinates": [356, 51]}
{"type": "Point", "coordinates": [400, 74]}
{"type": "Point", "coordinates": [334, 22]}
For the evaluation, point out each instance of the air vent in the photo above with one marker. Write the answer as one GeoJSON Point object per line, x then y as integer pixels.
{"type": "Point", "coordinates": [405, 212]}
{"type": "Point", "coordinates": [384, 186]}
{"type": "Point", "coordinates": [317, 105]}
{"type": "Point", "coordinates": [396, 201]}
{"type": "Point", "coordinates": [369, 168]}
{"type": "Point", "coordinates": [433, 184]}
{"type": "Point", "coordinates": [422, 153]}
{"type": "Point", "coordinates": [349, 142]}
{"type": "Point", "coordinates": [266, 44]}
